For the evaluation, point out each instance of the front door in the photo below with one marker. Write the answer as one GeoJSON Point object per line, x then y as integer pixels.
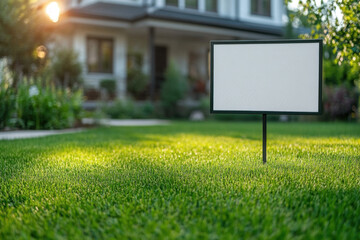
{"type": "Point", "coordinates": [160, 66]}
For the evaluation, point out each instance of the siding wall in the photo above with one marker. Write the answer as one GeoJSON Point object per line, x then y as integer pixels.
{"type": "Point", "coordinates": [78, 39]}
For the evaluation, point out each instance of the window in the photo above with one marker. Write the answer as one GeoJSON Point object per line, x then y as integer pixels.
{"type": "Point", "coordinates": [211, 5]}
{"type": "Point", "coordinates": [192, 4]}
{"type": "Point", "coordinates": [261, 7]}
{"type": "Point", "coordinates": [100, 55]}
{"type": "Point", "coordinates": [174, 3]}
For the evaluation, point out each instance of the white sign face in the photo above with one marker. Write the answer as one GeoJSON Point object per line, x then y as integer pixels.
{"type": "Point", "coordinates": [266, 76]}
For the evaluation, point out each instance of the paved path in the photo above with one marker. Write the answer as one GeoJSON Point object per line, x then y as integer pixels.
{"type": "Point", "coordinates": [8, 135]}
{"type": "Point", "coordinates": [127, 122]}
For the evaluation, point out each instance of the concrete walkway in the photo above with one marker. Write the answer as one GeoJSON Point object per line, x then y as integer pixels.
{"type": "Point", "coordinates": [9, 135]}
{"type": "Point", "coordinates": [126, 122]}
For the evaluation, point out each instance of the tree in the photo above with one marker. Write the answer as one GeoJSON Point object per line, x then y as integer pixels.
{"type": "Point", "coordinates": [338, 23]}
{"type": "Point", "coordinates": [22, 31]}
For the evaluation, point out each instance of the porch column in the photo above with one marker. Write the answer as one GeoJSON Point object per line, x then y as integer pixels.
{"type": "Point", "coordinates": [152, 62]}
{"type": "Point", "coordinates": [237, 12]}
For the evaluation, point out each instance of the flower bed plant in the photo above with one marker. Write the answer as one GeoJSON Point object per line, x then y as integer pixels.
{"type": "Point", "coordinates": [34, 105]}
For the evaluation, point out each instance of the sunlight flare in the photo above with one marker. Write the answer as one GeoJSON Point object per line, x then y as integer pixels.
{"type": "Point", "coordinates": [53, 11]}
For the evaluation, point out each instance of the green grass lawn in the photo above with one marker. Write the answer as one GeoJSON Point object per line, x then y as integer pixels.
{"type": "Point", "coordinates": [184, 181]}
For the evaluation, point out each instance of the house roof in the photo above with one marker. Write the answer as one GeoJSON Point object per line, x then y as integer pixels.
{"type": "Point", "coordinates": [128, 13]}
{"type": "Point", "coordinates": [109, 11]}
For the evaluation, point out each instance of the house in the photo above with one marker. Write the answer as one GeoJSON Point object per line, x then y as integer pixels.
{"type": "Point", "coordinates": [107, 34]}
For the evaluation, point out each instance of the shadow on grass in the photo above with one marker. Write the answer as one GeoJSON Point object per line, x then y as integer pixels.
{"type": "Point", "coordinates": [147, 198]}
{"type": "Point", "coordinates": [20, 154]}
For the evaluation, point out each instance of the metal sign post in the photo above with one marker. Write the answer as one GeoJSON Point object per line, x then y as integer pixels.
{"type": "Point", "coordinates": [264, 138]}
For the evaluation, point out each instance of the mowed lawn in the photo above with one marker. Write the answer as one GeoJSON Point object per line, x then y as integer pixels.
{"type": "Point", "coordinates": [184, 181]}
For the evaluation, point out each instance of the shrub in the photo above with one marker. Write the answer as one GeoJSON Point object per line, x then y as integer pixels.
{"type": "Point", "coordinates": [137, 82]}
{"type": "Point", "coordinates": [66, 69]}
{"type": "Point", "coordinates": [40, 107]}
{"type": "Point", "coordinates": [120, 109]}
{"type": "Point", "coordinates": [146, 110]}
{"type": "Point", "coordinates": [109, 85]}
{"type": "Point", "coordinates": [92, 94]}
{"type": "Point", "coordinates": [7, 103]}
{"type": "Point", "coordinates": [173, 89]}
{"type": "Point", "coordinates": [338, 75]}
{"type": "Point", "coordinates": [205, 106]}
{"type": "Point", "coordinates": [340, 102]}
{"type": "Point", "coordinates": [127, 109]}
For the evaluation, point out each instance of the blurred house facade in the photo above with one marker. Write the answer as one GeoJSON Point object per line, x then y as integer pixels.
{"type": "Point", "coordinates": [109, 34]}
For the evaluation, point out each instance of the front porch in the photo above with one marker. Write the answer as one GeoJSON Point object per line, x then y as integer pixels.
{"type": "Point", "coordinates": [135, 48]}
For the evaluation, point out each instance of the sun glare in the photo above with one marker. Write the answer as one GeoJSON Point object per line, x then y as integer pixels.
{"type": "Point", "coordinates": [41, 52]}
{"type": "Point", "coordinates": [53, 11]}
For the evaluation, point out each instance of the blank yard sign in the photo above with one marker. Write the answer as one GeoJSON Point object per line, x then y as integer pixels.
{"type": "Point", "coordinates": [275, 77]}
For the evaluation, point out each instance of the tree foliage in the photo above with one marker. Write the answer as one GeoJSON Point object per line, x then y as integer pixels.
{"type": "Point", "coordinates": [338, 23]}
{"type": "Point", "coordinates": [22, 31]}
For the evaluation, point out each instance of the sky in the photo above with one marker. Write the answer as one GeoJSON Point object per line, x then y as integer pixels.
{"type": "Point", "coordinates": [294, 5]}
